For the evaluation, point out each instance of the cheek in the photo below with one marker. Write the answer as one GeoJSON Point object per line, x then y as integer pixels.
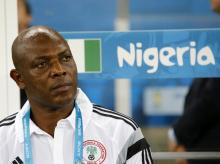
{"type": "Point", "coordinates": [72, 70]}
{"type": "Point", "coordinates": [35, 85]}
{"type": "Point", "coordinates": [73, 77]}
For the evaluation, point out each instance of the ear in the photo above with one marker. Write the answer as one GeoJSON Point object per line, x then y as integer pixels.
{"type": "Point", "coordinates": [16, 76]}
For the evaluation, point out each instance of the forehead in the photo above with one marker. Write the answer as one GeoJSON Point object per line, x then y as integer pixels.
{"type": "Point", "coordinates": [43, 45]}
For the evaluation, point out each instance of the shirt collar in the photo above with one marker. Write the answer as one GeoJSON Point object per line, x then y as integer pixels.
{"type": "Point", "coordinates": [85, 107]}
{"type": "Point", "coordinates": [83, 103]}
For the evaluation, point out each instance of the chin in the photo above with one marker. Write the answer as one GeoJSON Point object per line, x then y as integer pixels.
{"type": "Point", "coordinates": [64, 100]}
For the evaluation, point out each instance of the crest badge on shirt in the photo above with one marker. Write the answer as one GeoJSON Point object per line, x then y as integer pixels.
{"type": "Point", "coordinates": [93, 152]}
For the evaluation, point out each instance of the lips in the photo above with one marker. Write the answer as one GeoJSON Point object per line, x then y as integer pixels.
{"type": "Point", "coordinates": [63, 87]}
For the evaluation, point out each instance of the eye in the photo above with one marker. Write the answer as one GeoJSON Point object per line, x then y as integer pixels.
{"type": "Point", "coordinates": [66, 58]}
{"type": "Point", "coordinates": [41, 65]}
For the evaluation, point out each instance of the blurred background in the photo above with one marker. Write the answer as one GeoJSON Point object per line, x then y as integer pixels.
{"type": "Point", "coordinates": [154, 103]}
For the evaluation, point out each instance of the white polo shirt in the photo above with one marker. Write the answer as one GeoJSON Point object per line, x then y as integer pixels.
{"type": "Point", "coordinates": [109, 138]}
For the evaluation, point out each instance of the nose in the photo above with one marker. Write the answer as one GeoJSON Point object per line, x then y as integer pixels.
{"type": "Point", "coordinates": [57, 70]}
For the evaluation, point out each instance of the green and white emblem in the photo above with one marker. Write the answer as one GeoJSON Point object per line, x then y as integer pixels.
{"type": "Point", "coordinates": [93, 152]}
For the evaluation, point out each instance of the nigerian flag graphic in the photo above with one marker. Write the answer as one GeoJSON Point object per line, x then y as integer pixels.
{"type": "Point", "coordinates": [87, 54]}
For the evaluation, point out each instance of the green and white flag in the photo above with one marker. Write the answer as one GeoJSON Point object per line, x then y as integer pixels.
{"type": "Point", "coordinates": [87, 54]}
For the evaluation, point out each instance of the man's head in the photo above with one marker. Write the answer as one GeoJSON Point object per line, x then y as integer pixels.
{"type": "Point", "coordinates": [24, 15]}
{"type": "Point", "coordinates": [44, 67]}
{"type": "Point", "coordinates": [216, 5]}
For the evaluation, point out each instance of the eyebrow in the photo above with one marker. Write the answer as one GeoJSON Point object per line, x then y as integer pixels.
{"type": "Point", "coordinates": [41, 57]}
{"type": "Point", "coordinates": [63, 52]}
{"type": "Point", "coordinates": [48, 56]}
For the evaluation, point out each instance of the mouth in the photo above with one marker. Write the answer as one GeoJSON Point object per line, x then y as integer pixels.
{"type": "Point", "coordinates": [63, 87]}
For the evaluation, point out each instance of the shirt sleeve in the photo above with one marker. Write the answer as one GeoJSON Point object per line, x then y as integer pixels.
{"type": "Point", "coordinates": [136, 150]}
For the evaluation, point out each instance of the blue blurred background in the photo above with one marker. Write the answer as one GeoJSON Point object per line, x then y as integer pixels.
{"type": "Point", "coordinates": [99, 15]}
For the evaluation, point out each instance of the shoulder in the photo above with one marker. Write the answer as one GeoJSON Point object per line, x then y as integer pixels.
{"type": "Point", "coordinates": [7, 137]}
{"type": "Point", "coordinates": [6, 124]}
{"type": "Point", "coordinates": [8, 121]}
{"type": "Point", "coordinates": [113, 117]}
{"type": "Point", "coordinates": [125, 132]}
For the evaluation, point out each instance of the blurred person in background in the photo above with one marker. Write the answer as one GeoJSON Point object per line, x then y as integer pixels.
{"type": "Point", "coordinates": [198, 129]}
{"type": "Point", "coordinates": [215, 5]}
{"type": "Point", "coordinates": [24, 20]}
{"type": "Point", "coordinates": [24, 15]}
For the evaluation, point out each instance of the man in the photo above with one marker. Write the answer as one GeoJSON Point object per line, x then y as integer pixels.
{"type": "Point", "coordinates": [24, 15]}
{"type": "Point", "coordinates": [24, 20]}
{"type": "Point", "coordinates": [215, 5]}
{"type": "Point", "coordinates": [198, 129]}
{"type": "Point", "coordinates": [58, 124]}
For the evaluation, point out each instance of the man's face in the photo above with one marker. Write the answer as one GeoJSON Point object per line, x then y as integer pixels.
{"type": "Point", "coordinates": [49, 72]}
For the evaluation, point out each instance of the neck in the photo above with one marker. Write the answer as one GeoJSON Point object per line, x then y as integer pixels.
{"type": "Point", "coordinates": [46, 118]}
